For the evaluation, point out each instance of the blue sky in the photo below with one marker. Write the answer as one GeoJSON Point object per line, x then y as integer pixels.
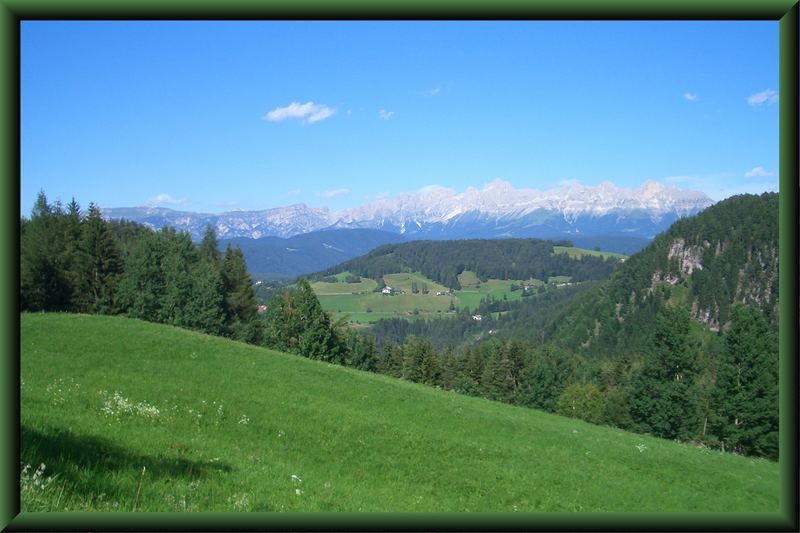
{"type": "Point", "coordinates": [209, 116]}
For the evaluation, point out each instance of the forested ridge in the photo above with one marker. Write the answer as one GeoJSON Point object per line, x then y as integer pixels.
{"type": "Point", "coordinates": [724, 256]}
{"type": "Point", "coordinates": [507, 259]}
{"type": "Point", "coordinates": [673, 379]}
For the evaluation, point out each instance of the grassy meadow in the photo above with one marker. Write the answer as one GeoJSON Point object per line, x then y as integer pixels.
{"type": "Point", "coordinates": [580, 252]}
{"type": "Point", "coordinates": [123, 415]}
{"type": "Point", "coordinates": [361, 304]}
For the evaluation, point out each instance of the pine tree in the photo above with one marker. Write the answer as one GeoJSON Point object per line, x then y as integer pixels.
{"type": "Point", "coordinates": [392, 360]}
{"type": "Point", "coordinates": [449, 369]}
{"type": "Point", "coordinates": [420, 363]}
{"type": "Point", "coordinates": [241, 307]}
{"type": "Point", "coordinates": [748, 385]}
{"type": "Point", "coordinates": [205, 309]}
{"type": "Point", "coordinates": [209, 247]}
{"type": "Point", "coordinates": [141, 290]}
{"type": "Point", "coordinates": [662, 400]}
{"type": "Point", "coordinates": [543, 379]}
{"type": "Point", "coordinates": [295, 322]}
{"type": "Point", "coordinates": [101, 262]}
{"type": "Point", "coordinates": [44, 285]}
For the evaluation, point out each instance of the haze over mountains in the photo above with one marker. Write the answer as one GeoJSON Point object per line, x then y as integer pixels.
{"type": "Point", "coordinates": [613, 218]}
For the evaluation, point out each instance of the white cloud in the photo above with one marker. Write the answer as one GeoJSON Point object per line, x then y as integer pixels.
{"type": "Point", "coordinates": [163, 198]}
{"type": "Point", "coordinates": [307, 113]}
{"type": "Point", "coordinates": [293, 192]}
{"type": "Point", "coordinates": [385, 115]}
{"type": "Point", "coordinates": [767, 96]}
{"type": "Point", "coordinates": [758, 172]}
{"type": "Point", "coordinates": [434, 91]}
{"type": "Point", "coordinates": [690, 97]}
{"type": "Point", "coordinates": [334, 192]}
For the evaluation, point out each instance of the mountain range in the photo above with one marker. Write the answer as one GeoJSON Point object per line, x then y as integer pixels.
{"type": "Point", "coordinates": [613, 218]}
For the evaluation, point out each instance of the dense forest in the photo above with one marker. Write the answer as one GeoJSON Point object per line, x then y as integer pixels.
{"type": "Point", "coordinates": [78, 262]}
{"type": "Point", "coordinates": [443, 261]}
{"type": "Point", "coordinates": [524, 319]}
{"type": "Point", "coordinates": [674, 379]}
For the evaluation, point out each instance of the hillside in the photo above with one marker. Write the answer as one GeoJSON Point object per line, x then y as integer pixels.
{"type": "Point", "coordinates": [727, 254]}
{"type": "Point", "coordinates": [270, 257]}
{"type": "Point", "coordinates": [126, 415]}
{"type": "Point", "coordinates": [504, 259]}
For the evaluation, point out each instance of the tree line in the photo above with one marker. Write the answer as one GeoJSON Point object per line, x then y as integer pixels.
{"type": "Point", "coordinates": [78, 262]}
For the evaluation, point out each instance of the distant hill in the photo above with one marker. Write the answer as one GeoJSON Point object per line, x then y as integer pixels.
{"type": "Point", "coordinates": [270, 257]}
{"type": "Point", "coordinates": [727, 254]}
{"type": "Point", "coordinates": [504, 259]}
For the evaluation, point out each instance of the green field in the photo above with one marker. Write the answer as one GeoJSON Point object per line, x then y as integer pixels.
{"type": "Point", "coordinates": [580, 252]}
{"type": "Point", "coordinates": [127, 415]}
{"type": "Point", "coordinates": [342, 287]}
{"type": "Point", "coordinates": [474, 290]}
{"type": "Point", "coordinates": [368, 306]}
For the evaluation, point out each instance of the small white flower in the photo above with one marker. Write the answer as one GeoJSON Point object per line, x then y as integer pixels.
{"type": "Point", "coordinates": [297, 492]}
{"type": "Point", "coordinates": [295, 478]}
{"type": "Point", "coordinates": [641, 447]}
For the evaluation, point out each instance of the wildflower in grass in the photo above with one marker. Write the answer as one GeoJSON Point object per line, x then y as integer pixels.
{"type": "Point", "coordinates": [297, 479]}
{"type": "Point", "coordinates": [281, 433]}
{"type": "Point", "coordinates": [244, 420]}
{"type": "Point", "coordinates": [116, 405]}
{"type": "Point", "coordinates": [35, 489]}
{"type": "Point", "coordinates": [59, 389]}
{"type": "Point", "coordinates": [641, 447]}
{"type": "Point", "coordinates": [297, 492]}
{"type": "Point", "coordinates": [240, 502]}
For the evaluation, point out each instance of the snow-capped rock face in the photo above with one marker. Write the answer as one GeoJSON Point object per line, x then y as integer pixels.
{"type": "Point", "coordinates": [497, 210]}
{"type": "Point", "coordinates": [499, 200]}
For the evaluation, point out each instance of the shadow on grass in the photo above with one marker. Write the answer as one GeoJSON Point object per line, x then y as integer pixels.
{"type": "Point", "coordinates": [68, 454]}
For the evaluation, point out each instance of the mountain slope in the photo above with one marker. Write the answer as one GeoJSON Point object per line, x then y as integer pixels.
{"type": "Point", "coordinates": [727, 254]}
{"type": "Point", "coordinates": [307, 252]}
{"type": "Point", "coordinates": [136, 416]}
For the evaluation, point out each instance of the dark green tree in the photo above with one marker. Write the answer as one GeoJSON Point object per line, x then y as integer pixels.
{"type": "Point", "coordinates": [209, 247]}
{"type": "Point", "coordinates": [449, 368]}
{"type": "Point", "coordinates": [101, 262]}
{"type": "Point", "coordinates": [44, 285]}
{"type": "Point", "coordinates": [295, 322]}
{"type": "Point", "coordinates": [663, 399]}
{"type": "Point", "coordinates": [748, 385]}
{"type": "Point", "coordinates": [421, 363]}
{"type": "Point", "coordinates": [544, 379]}
{"type": "Point", "coordinates": [241, 307]}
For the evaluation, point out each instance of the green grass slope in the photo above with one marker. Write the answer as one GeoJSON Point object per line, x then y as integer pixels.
{"type": "Point", "coordinates": [129, 415]}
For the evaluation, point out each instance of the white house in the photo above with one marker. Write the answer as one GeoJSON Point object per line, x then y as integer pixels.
{"type": "Point", "coordinates": [386, 290]}
{"type": "Point", "coordinates": [477, 317]}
